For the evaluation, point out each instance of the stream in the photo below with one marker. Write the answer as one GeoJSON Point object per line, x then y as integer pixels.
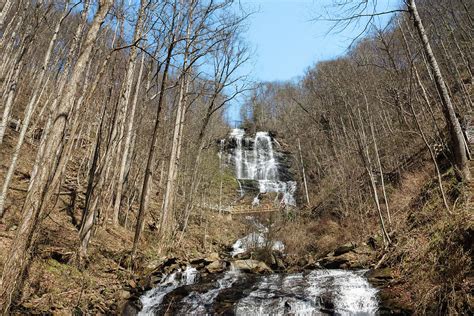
{"type": "Point", "coordinates": [316, 292]}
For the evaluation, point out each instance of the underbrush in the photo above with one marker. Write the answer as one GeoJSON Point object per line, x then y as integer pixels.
{"type": "Point", "coordinates": [433, 253]}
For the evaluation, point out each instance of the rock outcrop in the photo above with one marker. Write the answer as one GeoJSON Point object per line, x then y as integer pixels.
{"type": "Point", "coordinates": [252, 266]}
{"type": "Point", "coordinates": [348, 256]}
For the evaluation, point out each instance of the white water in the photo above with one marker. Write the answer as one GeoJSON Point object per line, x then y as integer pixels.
{"type": "Point", "coordinates": [257, 239]}
{"type": "Point", "coordinates": [254, 240]}
{"type": "Point", "coordinates": [153, 298]}
{"type": "Point", "coordinates": [319, 292]}
{"type": "Point", "coordinates": [196, 303]}
{"type": "Point", "coordinates": [299, 294]}
{"type": "Point", "coordinates": [254, 159]}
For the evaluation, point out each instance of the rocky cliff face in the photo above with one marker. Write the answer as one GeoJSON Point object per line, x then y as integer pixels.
{"type": "Point", "coordinates": [259, 165]}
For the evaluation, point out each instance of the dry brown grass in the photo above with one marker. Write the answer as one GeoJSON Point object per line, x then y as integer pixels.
{"type": "Point", "coordinates": [433, 250]}
{"type": "Point", "coordinates": [303, 236]}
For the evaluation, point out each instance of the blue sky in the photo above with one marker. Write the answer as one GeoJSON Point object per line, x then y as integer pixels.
{"type": "Point", "coordinates": [286, 40]}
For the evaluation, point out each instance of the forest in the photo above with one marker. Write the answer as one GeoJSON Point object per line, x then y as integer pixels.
{"type": "Point", "coordinates": [117, 160]}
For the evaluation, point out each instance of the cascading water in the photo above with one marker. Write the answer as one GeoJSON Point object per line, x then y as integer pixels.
{"type": "Point", "coordinates": [151, 301]}
{"type": "Point", "coordinates": [319, 292]}
{"type": "Point", "coordinates": [254, 160]}
{"type": "Point", "coordinates": [256, 239]}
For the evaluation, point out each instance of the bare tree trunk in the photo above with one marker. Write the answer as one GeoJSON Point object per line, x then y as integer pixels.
{"type": "Point", "coordinates": [151, 153]}
{"type": "Point", "coordinates": [30, 108]}
{"type": "Point", "coordinates": [5, 9]}
{"type": "Point", "coordinates": [124, 100]}
{"type": "Point", "coordinates": [166, 217]}
{"type": "Point", "coordinates": [455, 131]}
{"type": "Point", "coordinates": [10, 31]}
{"type": "Point", "coordinates": [365, 157]}
{"type": "Point", "coordinates": [418, 125]}
{"type": "Point", "coordinates": [382, 181]}
{"type": "Point", "coordinates": [13, 86]}
{"type": "Point", "coordinates": [304, 173]}
{"type": "Point", "coordinates": [42, 185]}
{"type": "Point", "coordinates": [89, 215]}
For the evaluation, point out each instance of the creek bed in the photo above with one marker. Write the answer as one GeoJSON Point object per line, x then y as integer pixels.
{"type": "Point", "coordinates": [317, 292]}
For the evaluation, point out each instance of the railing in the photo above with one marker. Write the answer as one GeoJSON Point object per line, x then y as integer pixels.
{"type": "Point", "coordinates": [242, 209]}
{"type": "Point", "coordinates": [245, 209]}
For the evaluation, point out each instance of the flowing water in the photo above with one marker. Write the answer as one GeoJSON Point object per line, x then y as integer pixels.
{"type": "Point", "coordinates": [153, 298]}
{"type": "Point", "coordinates": [255, 159]}
{"type": "Point", "coordinates": [256, 239]}
{"type": "Point", "coordinates": [319, 292]}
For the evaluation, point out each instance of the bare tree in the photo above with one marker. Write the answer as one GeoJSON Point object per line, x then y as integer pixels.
{"type": "Point", "coordinates": [458, 144]}
{"type": "Point", "coordinates": [30, 108]}
{"type": "Point", "coordinates": [124, 100]}
{"type": "Point", "coordinates": [43, 185]}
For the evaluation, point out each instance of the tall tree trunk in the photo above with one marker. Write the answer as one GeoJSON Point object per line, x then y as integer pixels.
{"type": "Point", "coordinates": [455, 131]}
{"type": "Point", "coordinates": [5, 9]}
{"type": "Point", "coordinates": [418, 125]}
{"type": "Point", "coordinates": [151, 152]}
{"type": "Point", "coordinates": [42, 185]}
{"type": "Point", "coordinates": [124, 100]}
{"type": "Point", "coordinates": [30, 108]}
{"type": "Point", "coordinates": [166, 216]}
{"type": "Point", "coordinates": [167, 220]}
{"type": "Point", "coordinates": [304, 173]}
{"type": "Point", "coordinates": [382, 181]}
{"type": "Point", "coordinates": [13, 85]}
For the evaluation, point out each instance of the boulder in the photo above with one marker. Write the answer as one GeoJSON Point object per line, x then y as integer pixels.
{"type": "Point", "coordinates": [132, 307]}
{"type": "Point", "coordinates": [124, 295]}
{"type": "Point", "coordinates": [344, 249]}
{"type": "Point", "coordinates": [243, 256]}
{"type": "Point", "coordinates": [252, 266]}
{"type": "Point", "coordinates": [363, 249]}
{"type": "Point", "coordinates": [205, 261]}
{"type": "Point", "coordinates": [212, 257]}
{"type": "Point", "coordinates": [332, 262]}
{"type": "Point", "coordinates": [379, 277]}
{"type": "Point", "coordinates": [348, 256]}
{"type": "Point", "coordinates": [277, 263]}
{"type": "Point", "coordinates": [216, 266]}
{"type": "Point", "coordinates": [349, 260]}
{"type": "Point", "coordinates": [197, 261]}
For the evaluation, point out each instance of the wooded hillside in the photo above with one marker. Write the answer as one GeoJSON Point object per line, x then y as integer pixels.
{"type": "Point", "coordinates": [112, 111]}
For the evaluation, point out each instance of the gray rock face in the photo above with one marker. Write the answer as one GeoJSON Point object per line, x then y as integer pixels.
{"type": "Point", "coordinates": [284, 160]}
{"type": "Point", "coordinates": [348, 256]}
{"type": "Point", "coordinates": [252, 266]}
{"type": "Point", "coordinates": [258, 164]}
{"type": "Point", "coordinates": [216, 266]}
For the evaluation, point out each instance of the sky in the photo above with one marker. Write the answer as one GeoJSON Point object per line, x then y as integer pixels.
{"type": "Point", "coordinates": [286, 39]}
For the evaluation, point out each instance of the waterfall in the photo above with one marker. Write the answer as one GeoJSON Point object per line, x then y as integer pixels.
{"type": "Point", "coordinates": [309, 293]}
{"type": "Point", "coordinates": [238, 134]}
{"type": "Point", "coordinates": [319, 292]}
{"type": "Point", "coordinates": [152, 299]}
{"type": "Point", "coordinates": [255, 159]}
